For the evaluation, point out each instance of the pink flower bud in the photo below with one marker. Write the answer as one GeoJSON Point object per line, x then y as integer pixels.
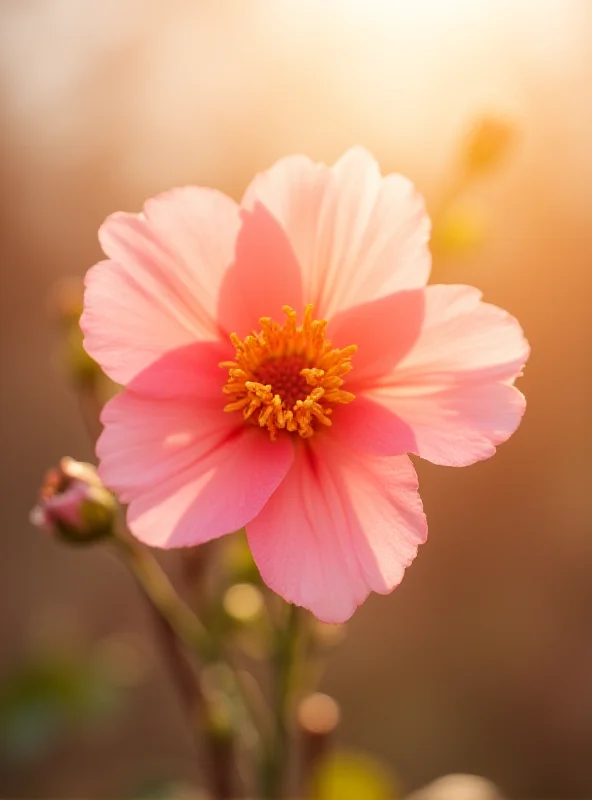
{"type": "Point", "coordinates": [74, 504]}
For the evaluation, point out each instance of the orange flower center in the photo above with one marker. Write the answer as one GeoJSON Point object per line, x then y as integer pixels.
{"type": "Point", "coordinates": [288, 377]}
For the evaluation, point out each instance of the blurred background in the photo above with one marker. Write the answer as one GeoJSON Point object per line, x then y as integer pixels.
{"type": "Point", "coordinates": [482, 660]}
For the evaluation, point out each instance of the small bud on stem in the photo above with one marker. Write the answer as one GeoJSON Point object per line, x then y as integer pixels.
{"type": "Point", "coordinates": [487, 144]}
{"type": "Point", "coordinates": [74, 504]}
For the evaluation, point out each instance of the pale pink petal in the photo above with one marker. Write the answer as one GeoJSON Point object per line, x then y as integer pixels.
{"type": "Point", "coordinates": [160, 289]}
{"type": "Point", "coordinates": [450, 393]}
{"type": "Point", "coordinates": [370, 426]}
{"type": "Point", "coordinates": [145, 440]}
{"type": "Point", "coordinates": [384, 331]}
{"type": "Point", "coordinates": [455, 426]}
{"type": "Point", "coordinates": [340, 525]}
{"type": "Point", "coordinates": [462, 339]}
{"type": "Point", "coordinates": [189, 471]}
{"type": "Point", "coordinates": [264, 277]}
{"type": "Point", "coordinates": [358, 236]}
{"type": "Point", "coordinates": [218, 495]}
{"type": "Point", "coordinates": [125, 329]}
{"type": "Point", "coordinates": [189, 372]}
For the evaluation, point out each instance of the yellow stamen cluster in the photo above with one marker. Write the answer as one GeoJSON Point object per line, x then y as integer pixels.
{"type": "Point", "coordinates": [288, 377]}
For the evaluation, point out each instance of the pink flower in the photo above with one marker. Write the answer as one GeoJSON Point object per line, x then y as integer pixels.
{"type": "Point", "coordinates": [240, 408]}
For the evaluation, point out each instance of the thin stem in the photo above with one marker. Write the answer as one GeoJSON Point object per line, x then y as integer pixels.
{"type": "Point", "coordinates": [176, 622]}
{"type": "Point", "coordinates": [182, 620]}
{"type": "Point", "coordinates": [184, 675]}
{"type": "Point", "coordinates": [218, 763]}
{"type": "Point", "coordinates": [276, 758]}
{"type": "Point", "coordinates": [154, 581]}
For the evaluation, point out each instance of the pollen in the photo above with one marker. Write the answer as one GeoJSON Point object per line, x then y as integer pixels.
{"type": "Point", "coordinates": [288, 377]}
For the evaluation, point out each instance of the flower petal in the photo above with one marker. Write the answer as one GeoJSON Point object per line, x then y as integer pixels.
{"type": "Point", "coordinates": [370, 426]}
{"type": "Point", "coordinates": [384, 331]}
{"type": "Point", "coordinates": [455, 426]}
{"type": "Point", "coordinates": [190, 472]}
{"type": "Point", "coordinates": [340, 525]}
{"type": "Point", "coordinates": [264, 277]}
{"type": "Point", "coordinates": [358, 236]}
{"type": "Point", "coordinates": [452, 390]}
{"type": "Point", "coordinates": [187, 372]}
{"type": "Point", "coordinates": [159, 290]}
{"type": "Point", "coordinates": [462, 340]}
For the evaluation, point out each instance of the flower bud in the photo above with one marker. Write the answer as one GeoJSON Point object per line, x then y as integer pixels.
{"type": "Point", "coordinates": [74, 504]}
{"type": "Point", "coordinates": [487, 144]}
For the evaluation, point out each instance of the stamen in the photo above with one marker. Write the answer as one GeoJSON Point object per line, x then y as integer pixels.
{"type": "Point", "coordinates": [288, 377]}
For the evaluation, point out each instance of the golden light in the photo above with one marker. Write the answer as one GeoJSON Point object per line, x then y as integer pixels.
{"type": "Point", "coordinates": [243, 602]}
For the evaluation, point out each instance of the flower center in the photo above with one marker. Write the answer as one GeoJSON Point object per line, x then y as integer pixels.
{"type": "Point", "coordinates": [288, 377]}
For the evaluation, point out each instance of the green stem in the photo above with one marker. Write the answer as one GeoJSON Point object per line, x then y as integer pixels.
{"type": "Point", "coordinates": [154, 581]}
{"type": "Point", "coordinates": [276, 758]}
{"type": "Point", "coordinates": [218, 742]}
{"type": "Point", "coordinates": [222, 700]}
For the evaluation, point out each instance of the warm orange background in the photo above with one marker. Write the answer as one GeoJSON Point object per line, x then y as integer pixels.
{"type": "Point", "coordinates": [482, 660]}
